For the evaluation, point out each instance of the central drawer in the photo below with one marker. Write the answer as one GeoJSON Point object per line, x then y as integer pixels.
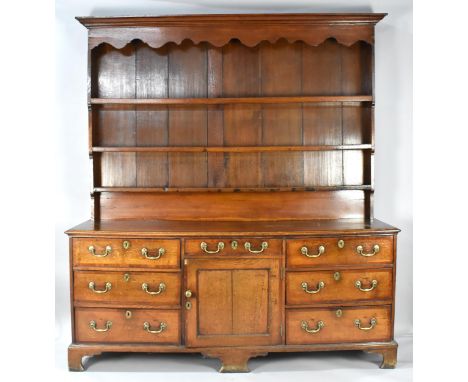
{"type": "Point", "coordinates": [304, 288]}
{"type": "Point", "coordinates": [230, 246]}
{"type": "Point", "coordinates": [150, 288]}
{"type": "Point", "coordinates": [127, 325]}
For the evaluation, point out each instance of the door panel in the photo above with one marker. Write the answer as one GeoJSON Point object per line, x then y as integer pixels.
{"type": "Point", "coordinates": [234, 302]}
{"type": "Point", "coordinates": [214, 302]}
{"type": "Point", "coordinates": [250, 301]}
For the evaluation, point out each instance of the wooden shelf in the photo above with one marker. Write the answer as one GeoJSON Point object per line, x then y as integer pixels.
{"type": "Point", "coordinates": [237, 149]}
{"type": "Point", "coordinates": [223, 101]}
{"type": "Point", "coordinates": [365, 187]}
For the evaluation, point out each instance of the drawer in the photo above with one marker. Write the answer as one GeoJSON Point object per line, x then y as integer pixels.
{"type": "Point", "coordinates": [250, 246]}
{"type": "Point", "coordinates": [127, 325]}
{"type": "Point", "coordinates": [126, 252]}
{"type": "Point", "coordinates": [332, 286]}
{"type": "Point", "coordinates": [151, 288]}
{"type": "Point", "coordinates": [309, 252]}
{"type": "Point", "coordinates": [329, 325]}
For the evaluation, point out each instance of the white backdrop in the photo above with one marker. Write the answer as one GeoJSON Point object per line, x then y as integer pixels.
{"type": "Point", "coordinates": [394, 137]}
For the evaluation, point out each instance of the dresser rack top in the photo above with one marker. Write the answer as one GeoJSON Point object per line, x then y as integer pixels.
{"type": "Point", "coordinates": [203, 19]}
{"type": "Point", "coordinates": [218, 30]}
{"type": "Point", "coordinates": [178, 132]}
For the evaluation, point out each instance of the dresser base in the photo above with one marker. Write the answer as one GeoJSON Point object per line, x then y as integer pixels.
{"type": "Point", "coordinates": [233, 360]}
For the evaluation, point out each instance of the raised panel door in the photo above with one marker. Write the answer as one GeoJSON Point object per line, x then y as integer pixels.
{"type": "Point", "coordinates": [233, 302]}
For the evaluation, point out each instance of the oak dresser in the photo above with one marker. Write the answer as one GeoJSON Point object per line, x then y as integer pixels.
{"type": "Point", "coordinates": [232, 190]}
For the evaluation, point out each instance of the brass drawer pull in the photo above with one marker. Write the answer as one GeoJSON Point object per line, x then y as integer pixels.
{"type": "Point", "coordinates": [360, 250]}
{"type": "Point", "coordinates": [204, 247]}
{"type": "Point", "coordinates": [358, 285]}
{"type": "Point", "coordinates": [318, 328]}
{"type": "Point", "coordinates": [161, 251]}
{"type": "Point", "coordinates": [320, 286]}
{"type": "Point", "coordinates": [107, 251]}
{"type": "Point", "coordinates": [264, 245]}
{"type": "Point", "coordinates": [162, 327]}
{"type": "Point", "coordinates": [373, 322]}
{"type": "Point", "coordinates": [162, 288]}
{"type": "Point", "coordinates": [92, 286]}
{"type": "Point", "coordinates": [92, 325]}
{"type": "Point", "coordinates": [320, 251]}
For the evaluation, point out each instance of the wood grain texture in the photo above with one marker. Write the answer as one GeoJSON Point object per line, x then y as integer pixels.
{"type": "Point", "coordinates": [242, 123]}
{"type": "Point", "coordinates": [215, 310]}
{"type": "Point", "coordinates": [282, 124]}
{"type": "Point", "coordinates": [187, 125]}
{"type": "Point", "coordinates": [234, 206]}
{"type": "Point", "coordinates": [125, 329]}
{"type": "Point", "coordinates": [337, 329]}
{"type": "Point", "coordinates": [151, 79]}
{"type": "Point", "coordinates": [251, 313]}
{"type": "Point", "coordinates": [216, 173]}
{"type": "Point", "coordinates": [333, 255]}
{"type": "Point", "coordinates": [322, 126]}
{"type": "Point", "coordinates": [121, 257]}
{"type": "Point", "coordinates": [114, 76]}
{"type": "Point", "coordinates": [127, 292]}
{"type": "Point", "coordinates": [336, 291]}
{"type": "Point", "coordinates": [321, 69]}
{"type": "Point", "coordinates": [356, 69]}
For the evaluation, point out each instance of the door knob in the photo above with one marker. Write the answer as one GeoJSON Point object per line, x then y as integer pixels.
{"type": "Point", "coordinates": [188, 293]}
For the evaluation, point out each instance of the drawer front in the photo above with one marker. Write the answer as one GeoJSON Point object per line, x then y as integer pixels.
{"type": "Point", "coordinates": [363, 324]}
{"type": "Point", "coordinates": [326, 251]}
{"type": "Point", "coordinates": [152, 288]}
{"type": "Point", "coordinates": [304, 288]}
{"type": "Point", "coordinates": [127, 325]}
{"type": "Point", "coordinates": [223, 246]}
{"type": "Point", "coordinates": [126, 252]}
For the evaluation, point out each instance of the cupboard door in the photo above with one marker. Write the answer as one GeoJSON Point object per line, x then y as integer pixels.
{"type": "Point", "coordinates": [233, 302]}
